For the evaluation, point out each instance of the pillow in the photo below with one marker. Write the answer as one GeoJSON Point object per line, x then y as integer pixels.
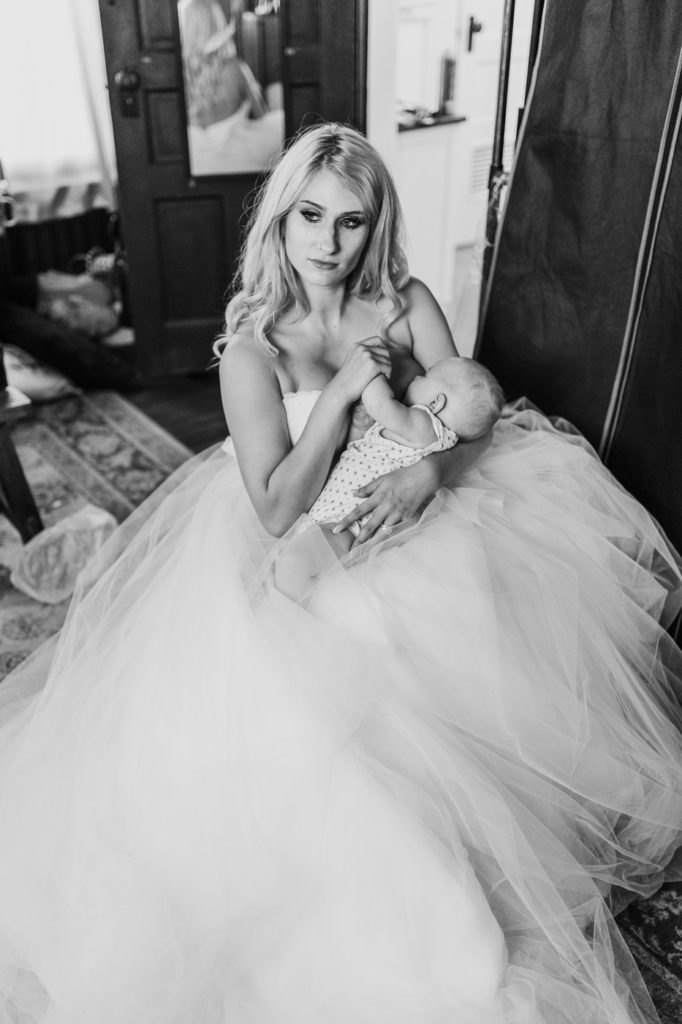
{"type": "Point", "coordinates": [37, 381]}
{"type": "Point", "coordinates": [80, 314]}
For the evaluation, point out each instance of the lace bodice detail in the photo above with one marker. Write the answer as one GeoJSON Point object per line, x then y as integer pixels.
{"type": "Point", "coordinates": [298, 406]}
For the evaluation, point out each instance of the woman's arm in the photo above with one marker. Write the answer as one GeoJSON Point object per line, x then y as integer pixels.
{"type": "Point", "coordinates": [283, 480]}
{"type": "Point", "coordinates": [401, 495]}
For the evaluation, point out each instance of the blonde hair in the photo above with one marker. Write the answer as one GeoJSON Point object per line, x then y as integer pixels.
{"type": "Point", "coordinates": [474, 396]}
{"type": "Point", "coordinates": [267, 285]}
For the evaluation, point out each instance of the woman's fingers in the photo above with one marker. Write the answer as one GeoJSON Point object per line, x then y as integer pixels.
{"type": "Point", "coordinates": [379, 526]}
{"type": "Point", "coordinates": [379, 352]}
{"type": "Point", "coordinates": [362, 364]}
{"type": "Point", "coordinates": [363, 508]}
{"type": "Point", "coordinates": [353, 517]}
{"type": "Point", "coordinates": [367, 489]}
{"type": "Point", "coordinates": [382, 517]}
{"type": "Point", "coordinates": [389, 501]}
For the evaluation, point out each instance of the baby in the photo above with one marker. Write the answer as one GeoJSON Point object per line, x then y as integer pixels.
{"type": "Point", "coordinates": [457, 399]}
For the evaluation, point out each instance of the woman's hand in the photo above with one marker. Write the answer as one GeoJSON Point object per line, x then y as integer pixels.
{"type": "Point", "coordinates": [399, 496]}
{"type": "Point", "coordinates": [392, 499]}
{"type": "Point", "coordinates": [365, 360]}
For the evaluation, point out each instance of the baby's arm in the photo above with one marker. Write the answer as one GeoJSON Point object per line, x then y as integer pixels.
{"type": "Point", "coordinates": [412, 426]}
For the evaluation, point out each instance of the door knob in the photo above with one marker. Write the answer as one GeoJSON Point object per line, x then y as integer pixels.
{"type": "Point", "coordinates": [474, 27]}
{"type": "Point", "coordinates": [127, 82]}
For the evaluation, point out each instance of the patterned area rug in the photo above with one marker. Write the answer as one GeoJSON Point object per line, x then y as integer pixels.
{"type": "Point", "coordinates": [94, 448]}
{"type": "Point", "coordinates": [653, 931]}
{"type": "Point", "coordinates": [99, 448]}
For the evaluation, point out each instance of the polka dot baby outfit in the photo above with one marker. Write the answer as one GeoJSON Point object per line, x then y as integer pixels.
{"type": "Point", "coordinates": [364, 460]}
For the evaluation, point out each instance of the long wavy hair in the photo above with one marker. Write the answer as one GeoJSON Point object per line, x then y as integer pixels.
{"type": "Point", "coordinates": [266, 285]}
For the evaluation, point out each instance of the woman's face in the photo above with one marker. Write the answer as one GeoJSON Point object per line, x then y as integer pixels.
{"type": "Point", "coordinates": [326, 231]}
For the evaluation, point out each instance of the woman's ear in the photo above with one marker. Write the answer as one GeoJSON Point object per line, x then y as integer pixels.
{"type": "Point", "coordinates": [437, 403]}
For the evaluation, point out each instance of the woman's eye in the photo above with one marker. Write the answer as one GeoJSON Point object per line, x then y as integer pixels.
{"type": "Point", "coordinates": [312, 216]}
{"type": "Point", "coordinates": [353, 222]}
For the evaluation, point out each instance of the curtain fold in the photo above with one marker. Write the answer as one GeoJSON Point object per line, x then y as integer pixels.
{"type": "Point", "coordinates": [584, 299]}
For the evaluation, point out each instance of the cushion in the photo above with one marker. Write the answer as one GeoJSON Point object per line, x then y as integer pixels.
{"type": "Point", "coordinates": [74, 311]}
{"type": "Point", "coordinates": [37, 381]}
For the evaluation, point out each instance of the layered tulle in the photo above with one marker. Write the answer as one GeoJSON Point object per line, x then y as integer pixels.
{"type": "Point", "coordinates": [414, 797]}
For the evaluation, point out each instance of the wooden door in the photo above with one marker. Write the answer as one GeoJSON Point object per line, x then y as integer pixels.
{"type": "Point", "coordinates": [182, 234]}
{"type": "Point", "coordinates": [325, 61]}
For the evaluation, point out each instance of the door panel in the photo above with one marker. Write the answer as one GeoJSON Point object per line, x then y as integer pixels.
{"type": "Point", "coordinates": [157, 26]}
{"type": "Point", "coordinates": [183, 234]}
{"type": "Point", "coordinates": [199, 222]}
{"type": "Point", "coordinates": [165, 126]}
{"type": "Point", "coordinates": [325, 58]}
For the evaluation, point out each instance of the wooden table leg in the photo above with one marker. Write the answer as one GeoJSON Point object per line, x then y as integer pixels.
{"type": "Point", "coordinates": [16, 499]}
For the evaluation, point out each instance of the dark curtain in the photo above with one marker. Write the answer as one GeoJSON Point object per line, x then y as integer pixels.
{"type": "Point", "coordinates": [583, 306]}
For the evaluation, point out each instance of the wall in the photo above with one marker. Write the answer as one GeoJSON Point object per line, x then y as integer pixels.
{"type": "Point", "coordinates": [442, 171]}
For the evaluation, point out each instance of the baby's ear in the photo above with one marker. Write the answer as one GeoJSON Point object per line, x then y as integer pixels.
{"type": "Point", "coordinates": [437, 403]}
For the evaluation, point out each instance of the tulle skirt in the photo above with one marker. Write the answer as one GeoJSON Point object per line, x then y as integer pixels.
{"type": "Point", "coordinates": [414, 798]}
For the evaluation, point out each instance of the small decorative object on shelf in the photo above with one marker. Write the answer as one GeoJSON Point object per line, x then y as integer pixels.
{"type": "Point", "coordinates": [446, 91]}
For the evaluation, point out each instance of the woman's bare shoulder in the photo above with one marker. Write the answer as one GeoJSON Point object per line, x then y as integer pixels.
{"type": "Point", "coordinates": [424, 322]}
{"type": "Point", "coordinates": [244, 351]}
{"type": "Point", "coordinates": [245, 361]}
{"type": "Point", "coordinates": [417, 297]}
{"type": "Point", "coordinates": [417, 301]}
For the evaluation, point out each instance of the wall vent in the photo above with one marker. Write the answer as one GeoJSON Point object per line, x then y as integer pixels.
{"type": "Point", "coordinates": [479, 168]}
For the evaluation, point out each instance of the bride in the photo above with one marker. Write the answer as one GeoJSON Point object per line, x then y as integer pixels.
{"type": "Point", "coordinates": [415, 798]}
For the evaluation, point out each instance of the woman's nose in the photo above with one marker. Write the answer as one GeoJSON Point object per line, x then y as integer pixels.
{"type": "Point", "coordinates": [327, 240]}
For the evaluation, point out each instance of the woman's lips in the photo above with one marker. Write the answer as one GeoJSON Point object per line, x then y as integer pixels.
{"type": "Point", "coordinates": [323, 264]}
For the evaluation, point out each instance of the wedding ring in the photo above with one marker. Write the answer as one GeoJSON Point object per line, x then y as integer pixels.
{"type": "Point", "coordinates": [386, 529]}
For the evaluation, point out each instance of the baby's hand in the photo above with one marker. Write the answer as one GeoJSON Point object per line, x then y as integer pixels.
{"type": "Point", "coordinates": [360, 422]}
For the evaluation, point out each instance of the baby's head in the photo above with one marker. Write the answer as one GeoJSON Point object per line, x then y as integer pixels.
{"type": "Point", "coordinates": [462, 393]}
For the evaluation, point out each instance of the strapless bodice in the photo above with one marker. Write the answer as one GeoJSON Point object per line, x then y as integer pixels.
{"type": "Point", "coordinates": [298, 405]}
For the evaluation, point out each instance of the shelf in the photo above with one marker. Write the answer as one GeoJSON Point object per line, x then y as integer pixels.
{"type": "Point", "coordinates": [435, 121]}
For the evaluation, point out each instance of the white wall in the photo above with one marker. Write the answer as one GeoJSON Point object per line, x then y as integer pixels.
{"type": "Point", "coordinates": [381, 77]}
{"type": "Point", "coordinates": [442, 171]}
{"type": "Point", "coordinates": [421, 160]}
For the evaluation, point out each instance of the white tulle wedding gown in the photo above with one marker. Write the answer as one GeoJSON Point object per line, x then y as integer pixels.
{"type": "Point", "coordinates": [411, 800]}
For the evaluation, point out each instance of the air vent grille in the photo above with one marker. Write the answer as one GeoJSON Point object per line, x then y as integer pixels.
{"type": "Point", "coordinates": [480, 166]}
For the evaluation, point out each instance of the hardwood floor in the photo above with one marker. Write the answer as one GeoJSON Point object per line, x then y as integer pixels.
{"type": "Point", "coordinates": [188, 407]}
